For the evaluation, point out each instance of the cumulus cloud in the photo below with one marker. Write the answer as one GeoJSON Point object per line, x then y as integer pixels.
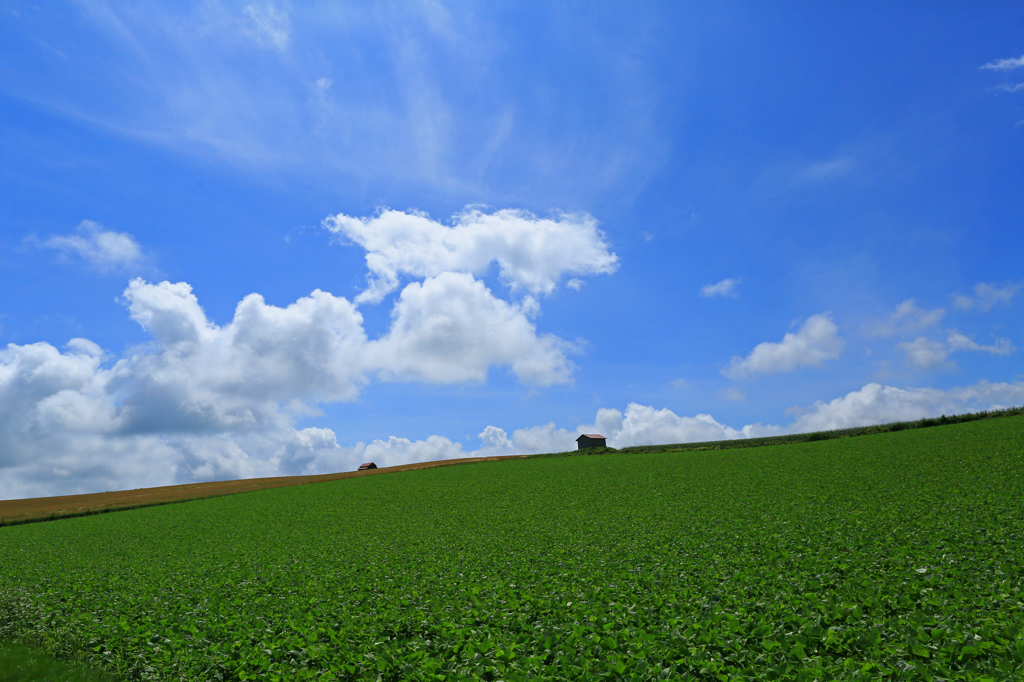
{"type": "Point", "coordinates": [645, 425]}
{"type": "Point", "coordinates": [532, 253]}
{"type": "Point", "coordinates": [101, 248]}
{"type": "Point", "coordinates": [218, 401]}
{"type": "Point", "coordinates": [877, 404]}
{"type": "Point", "coordinates": [1005, 64]}
{"type": "Point", "coordinates": [451, 328]}
{"type": "Point", "coordinates": [727, 287]}
{"type": "Point", "coordinates": [816, 341]}
{"type": "Point", "coordinates": [404, 451]}
{"type": "Point", "coordinates": [872, 404]}
{"type": "Point", "coordinates": [907, 318]}
{"type": "Point", "coordinates": [926, 353]}
{"type": "Point", "coordinates": [198, 376]}
{"type": "Point", "coordinates": [547, 438]}
{"type": "Point", "coordinates": [212, 401]}
{"type": "Point", "coordinates": [986, 296]}
{"type": "Point", "coordinates": [527, 441]}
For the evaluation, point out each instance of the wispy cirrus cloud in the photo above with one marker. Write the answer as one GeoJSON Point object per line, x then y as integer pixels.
{"type": "Point", "coordinates": [1004, 64]}
{"type": "Point", "coordinates": [727, 287]}
{"type": "Point", "coordinates": [927, 353]}
{"type": "Point", "coordinates": [823, 171]}
{"type": "Point", "coordinates": [986, 296]}
{"type": "Point", "coordinates": [269, 26]}
{"type": "Point", "coordinates": [958, 341]}
{"type": "Point", "coordinates": [419, 95]}
{"type": "Point", "coordinates": [907, 317]}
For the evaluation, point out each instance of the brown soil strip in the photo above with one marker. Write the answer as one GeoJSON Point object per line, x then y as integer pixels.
{"type": "Point", "coordinates": [47, 508]}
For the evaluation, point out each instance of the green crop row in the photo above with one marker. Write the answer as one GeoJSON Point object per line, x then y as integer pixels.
{"type": "Point", "coordinates": [895, 556]}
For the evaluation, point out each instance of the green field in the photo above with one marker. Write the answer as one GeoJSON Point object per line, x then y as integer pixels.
{"type": "Point", "coordinates": [893, 556]}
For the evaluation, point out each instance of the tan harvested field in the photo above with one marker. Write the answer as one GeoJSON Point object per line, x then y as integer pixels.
{"type": "Point", "coordinates": [46, 508]}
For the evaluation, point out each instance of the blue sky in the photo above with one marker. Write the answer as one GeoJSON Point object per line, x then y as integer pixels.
{"type": "Point", "coordinates": [244, 239]}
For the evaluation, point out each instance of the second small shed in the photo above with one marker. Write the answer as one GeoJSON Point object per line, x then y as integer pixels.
{"type": "Point", "coordinates": [591, 440]}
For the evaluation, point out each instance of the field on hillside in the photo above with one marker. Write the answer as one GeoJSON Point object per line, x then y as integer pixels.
{"type": "Point", "coordinates": [14, 512]}
{"type": "Point", "coordinates": [897, 555]}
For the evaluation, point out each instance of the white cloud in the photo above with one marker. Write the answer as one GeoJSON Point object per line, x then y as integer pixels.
{"type": "Point", "coordinates": [528, 441]}
{"type": "Point", "coordinates": [210, 401]}
{"type": "Point", "coordinates": [1016, 87]}
{"type": "Point", "coordinates": [877, 404]}
{"type": "Point", "coordinates": [204, 401]}
{"type": "Point", "coordinates": [532, 253]}
{"type": "Point", "coordinates": [100, 248]}
{"type": "Point", "coordinates": [733, 394]}
{"type": "Point", "coordinates": [547, 438]}
{"type": "Point", "coordinates": [816, 341]}
{"type": "Point", "coordinates": [269, 26]}
{"type": "Point", "coordinates": [322, 85]}
{"type": "Point", "coordinates": [575, 284]}
{"type": "Point", "coordinates": [906, 318]}
{"type": "Point", "coordinates": [71, 446]}
{"type": "Point", "coordinates": [198, 376]}
{"type": "Point", "coordinates": [727, 287]}
{"type": "Point", "coordinates": [958, 341]}
{"type": "Point", "coordinates": [926, 353]}
{"type": "Point", "coordinates": [451, 328]}
{"type": "Point", "coordinates": [495, 440]}
{"type": "Point", "coordinates": [396, 451]}
{"type": "Point", "coordinates": [872, 404]}
{"type": "Point", "coordinates": [417, 102]}
{"type": "Point", "coordinates": [986, 296]}
{"type": "Point", "coordinates": [822, 171]}
{"type": "Point", "coordinates": [644, 425]}
{"type": "Point", "coordinates": [1005, 64]}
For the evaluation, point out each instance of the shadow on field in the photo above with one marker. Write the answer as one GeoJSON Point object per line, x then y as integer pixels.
{"type": "Point", "coordinates": [20, 663]}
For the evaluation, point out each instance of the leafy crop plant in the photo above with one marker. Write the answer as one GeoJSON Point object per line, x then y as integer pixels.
{"type": "Point", "coordinates": [896, 556]}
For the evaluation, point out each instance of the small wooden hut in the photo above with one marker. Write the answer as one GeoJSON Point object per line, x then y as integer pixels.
{"type": "Point", "coordinates": [591, 440]}
{"type": "Point", "coordinates": [367, 465]}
